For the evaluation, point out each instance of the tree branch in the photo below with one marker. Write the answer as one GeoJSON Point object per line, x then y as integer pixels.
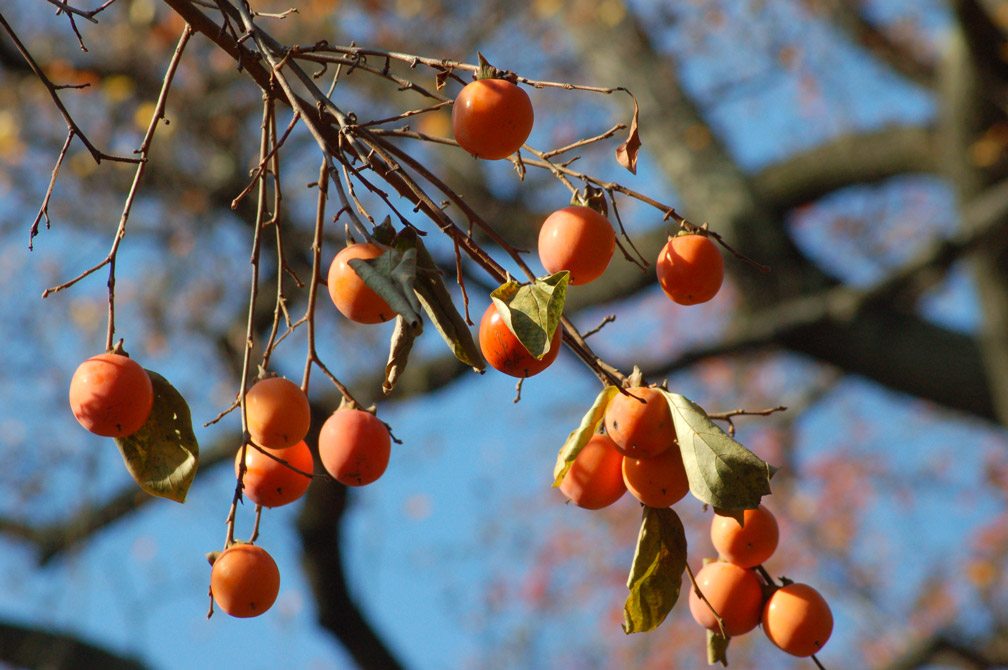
{"type": "Point", "coordinates": [844, 325]}
{"type": "Point", "coordinates": [31, 647]}
{"type": "Point", "coordinates": [860, 158]}
{"type": "Point", "coordinates": [319, 526]}
{"type": "Point", "coordinates": [950, 647]}
{"type": "Point", "coordinates": [968, 111]}
{"type": "Point", "coordinates": [849, 17]}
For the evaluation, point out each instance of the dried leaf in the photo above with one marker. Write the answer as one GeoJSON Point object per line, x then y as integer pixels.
{"type": "Point", "coordinates": [721, 472]}
{"type": "Point", "coordinates": [441, 78]}
{"type": "Point", "coordinates": [626, 153]}
{"type": "Point", "coordinates": [532, 311]}
{"type": "Point", "coordinates": [163, 455]}
{"type": "Point", "coordinates": [400, 346]}
{"type": "Point", "coordinates": [579, 437]}
{"type": "Point", "coordinates": [656, 573]}
{"type": "Point", "coordinates": [717, 648]}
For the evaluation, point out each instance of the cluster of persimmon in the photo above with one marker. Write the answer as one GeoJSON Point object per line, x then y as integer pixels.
{"type": "Point", "coordinates": [639, 452]}
{"type": "Point", "coordinates": [111, 395]}
{"type": "Point", "coordinates": [354, 447]}
{"type": "Point", "coordinates": [491, 119]}
{"type": "Point", "coordinates": [795, 616]}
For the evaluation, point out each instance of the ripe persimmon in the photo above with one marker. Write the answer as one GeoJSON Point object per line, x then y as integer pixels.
{"type": "Point", "coordinates": [268, 482]}
{"type": "Point", "coordinates": [734, 593]}
{"type": "Point", "coordinates": [278, 413]}
{"type": "Point", "coordinates": [353, 298]}
{"type": "Point", "coordinates": [492, 118]}
{"type": "Point", "coordinates": [640, 423]}
{"type": "Point", "coordinates": [111, 395]}
{"type": "Point", "coordinates": [797, 619]}
{"type": "Point", "coordinates": [690, 269]}
{"type": "Point", "coordinates": [244, 580]}
{"type": "Point", "coordinates": [354, 447]}
{"type": "Point", "coordinates": [504, 351]}
{"type": "Point", "coordinates": [659, 481]}
{"type": "Point", "coordinates": [594, 480]}
{"type": "Point", "coordinates": [577, 239]}
{"type": "Point", "coordinates": [751, 543]}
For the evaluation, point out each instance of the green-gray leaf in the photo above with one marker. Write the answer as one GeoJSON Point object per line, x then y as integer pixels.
{"type": "Point", "coordinates": [392, 276]}
{"type": "Point", "coordinates": [656, 574]}
{"type": "Point", "coordinates": [579, 437]}
{"type": "Point", "coordinates": [532, 311]}
{"type": "Point", "coordinates": [436, 301]}
{"type": "Point", "coordinates": [163, 455]}
{"type": "Point", "coordinates": [721, 472]}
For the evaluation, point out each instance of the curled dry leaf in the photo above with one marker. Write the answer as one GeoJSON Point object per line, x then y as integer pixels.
{"type": "Point", "coordinates": [626, 153]}
{"type": "Point", "coordinates": [400, 346]}
{"type": "Point", "coordinates": [717, 648]}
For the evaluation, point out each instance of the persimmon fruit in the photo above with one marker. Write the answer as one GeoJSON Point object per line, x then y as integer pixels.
{"type": "Point", "coordinates": [244, 580]}
{"type": "Point", "coordinates": [353, 298]}
{"type": "Point", "coordinates": [504, 351]}
{"type": "Point", "coordinates": [577, 239]}
{"type": "Point", "coordinates": [797, 619]}
{"type": "Point", "coordinates": [735, 594]}
{"type": "Point", "coordinates": [595, 479]}
{"type": "Point", "coordinates": [111, 395]}
{"type": "Point", "coordinates": [354, 446]}
{"type": "Point", "coordinates": [751, 543]}
{"type": "Point", "coordinates": [690, 269]}
{"type": "Point", "coordinates": [492, 118]}
{"type": "Point", "coordinates": [659, 481]}
{"type": "Point", "coordinates": [640, 423]}
{"type": "Point", "coordinates": [268, 482]}
{"type": "Point", "coordinates": [277, 412]}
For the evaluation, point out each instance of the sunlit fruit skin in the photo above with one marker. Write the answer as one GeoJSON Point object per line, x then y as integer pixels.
{"type": "Point", "coordinates": [244, 580]}
{"type": "Point", "coordinates": [111, 395]}
{"type": "Point", "coordinates": [659, 481]}
{"type": "Point", "coordinates": [690, 269]}
{"type": "Point", "coordinates": [354, 447]}
{"type": "Point", "coordinates": [797, 619]}
{"type": "Point", "coordinates": [734, 592]}
{"type": "Point", "coordinates": [353, 298]}
{"type": "Point", "coordinates": [595, 479]}
{"type": "Point", "coordinates": [577, 239]}
{"type": "Point", "coordinates": [506, 353]}
{"type": "Point", "coordinates": [278, 413]}
{"type": "Point", "coordinates": [747, 545]}
{"type": "Point", "coordinates": [270, 483]}
{"type": "Point", "coordinates": [492, 118]}
{"type": "Point", "coordinates": [640, 429]}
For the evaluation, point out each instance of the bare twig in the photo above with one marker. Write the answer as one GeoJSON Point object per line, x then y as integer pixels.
{"type": "Point", "coordinates": [96, 153]}
{"type": "Point", "coordinates": [44, 208]}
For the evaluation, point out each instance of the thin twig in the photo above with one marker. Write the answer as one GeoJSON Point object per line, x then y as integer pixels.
{"type": "Point", "coordinates": [258, 170]}
{"type": "Point", "coordinates": [250, 325]}
{"type": "Point", "coordinates": [607, 320]}
{"type": "Point", "coordinates": [44, 209]}
{"type": "Point", "coordinates": [96, 153]}
{"type": "Point", "coordinates": [585, 142]}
